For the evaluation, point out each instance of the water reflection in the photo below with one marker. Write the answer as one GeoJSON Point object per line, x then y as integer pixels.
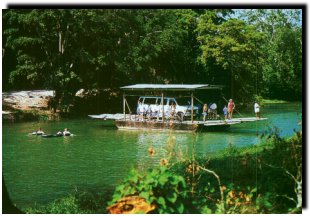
{"type": "Point", "coordinates": [155, 146]}
{"type": "Point", "coordinates": [172, 146]}
{"type": "Point", "coordinates": [66, 139]}
{"type": "Point", "coordinates": [175, 146]}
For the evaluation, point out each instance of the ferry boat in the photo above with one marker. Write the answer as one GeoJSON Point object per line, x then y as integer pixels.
{"type": "Point", "coordinates": [156, 113]}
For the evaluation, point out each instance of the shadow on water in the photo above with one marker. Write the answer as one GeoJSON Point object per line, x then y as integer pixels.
{"type": "Point", "coordinates": [108, 127]}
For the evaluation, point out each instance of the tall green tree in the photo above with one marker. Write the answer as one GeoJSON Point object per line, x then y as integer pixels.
{"type": "Point", "coordinates": [46, 47]}
{"type": "Point", "coordinates": [66, 50]}
{"type": "Point", "coordinates": [234, 46]}
{"type": "Point", "coordinates": [282, 50]}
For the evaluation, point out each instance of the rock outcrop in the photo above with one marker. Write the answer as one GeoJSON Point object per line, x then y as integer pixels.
{"type": "Point", "coordinates": [26, 100]}
{"type": "Point", "coordinates": [27, 105]}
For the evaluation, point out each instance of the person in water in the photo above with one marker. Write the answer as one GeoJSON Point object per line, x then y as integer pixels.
{"type": "Point", "coordinates": [39, 131]}
{"type": "Point", "coordinates": [66, 132]}
{"type": "Point", "coordinates": [60, 133]}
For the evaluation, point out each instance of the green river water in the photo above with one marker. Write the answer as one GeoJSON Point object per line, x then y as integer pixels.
{"type": "Point", "coordinates": [39, 170]}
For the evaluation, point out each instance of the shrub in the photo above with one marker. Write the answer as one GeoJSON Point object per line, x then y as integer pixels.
{"type": "Point", "coordinates": [158, 186]}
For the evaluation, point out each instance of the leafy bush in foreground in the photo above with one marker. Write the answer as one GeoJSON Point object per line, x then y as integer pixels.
{"type": "Point", "coordinates": [158, 186]}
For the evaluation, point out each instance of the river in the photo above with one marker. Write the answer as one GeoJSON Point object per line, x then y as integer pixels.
{"type": "Point", "coordinates": [39, 170]}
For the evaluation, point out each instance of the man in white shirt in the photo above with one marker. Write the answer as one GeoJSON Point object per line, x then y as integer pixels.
{"type": "Point", "coordinates": [256, 110]}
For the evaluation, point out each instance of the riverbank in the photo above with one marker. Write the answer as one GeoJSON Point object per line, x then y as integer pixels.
{"type": "Point", "coordinates": [233, 181]}
{"type": "Point", "coordinates": [18, 106]}
{"type": "Point", "coordinates": [273, 101]}
{"type": "Point", "coordinates": [28, 115]}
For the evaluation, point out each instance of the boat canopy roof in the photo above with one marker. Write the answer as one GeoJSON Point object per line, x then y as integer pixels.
{"type": "Point", "coordinates": [170, 87]}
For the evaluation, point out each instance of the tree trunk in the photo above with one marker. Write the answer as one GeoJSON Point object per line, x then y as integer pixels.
{"type": "Point", "coordinates": [299, 194]}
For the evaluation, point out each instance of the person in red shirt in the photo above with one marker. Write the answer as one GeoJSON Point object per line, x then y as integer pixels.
{"type": "Point", "coordinates": [231, 107]}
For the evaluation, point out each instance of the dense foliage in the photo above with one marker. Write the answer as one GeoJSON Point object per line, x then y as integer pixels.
{"type": "Point", "coordinates": [281, 51]}
{"type": "Point", "coordinates": [268, 180]}
{"type": "Point", "coordinates": [252, 52]}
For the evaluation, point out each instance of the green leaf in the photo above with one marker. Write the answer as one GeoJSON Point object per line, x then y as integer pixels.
{"type": "Point", "coordinates": [163, 179]}
{"type": "Point", "coordinates": [134, 179]}
{"type": "Point", "coordinates": [116, 197]}
{"type": "Point", "coordinates": [161, 201]}
{"type": "Point", "coordinates": [172, 196]}
{"type": "Point", "coordinates": [180, 207]}
{"type": "Point", "coordinates": [145, 195]}
{"type": "Point", "coordinates": [174, 180]}
{"type": "Point", "coordinates": [120, 188]}
{"type": "Point", "coordinates": [206, 210]}
{"type": "Point", "coordinates": [254, 190]}
{"type": "Point", "coordinates": [163, 169]}
{"type": "Point", "coordinates": [212, 190]}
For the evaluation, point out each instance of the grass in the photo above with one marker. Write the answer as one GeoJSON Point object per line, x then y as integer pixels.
{"type": "Point", "coordinates": [273, 101]}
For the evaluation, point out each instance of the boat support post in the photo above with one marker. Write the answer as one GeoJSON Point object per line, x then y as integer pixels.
{"type": "Point", "coordinates": [124, 107]}
{"type": "Point", "coordinates": [192, 103]}
{"type": "Point", "coordinates": [128, 107]}
{"type": "Point", "coordinates": [162, 99]}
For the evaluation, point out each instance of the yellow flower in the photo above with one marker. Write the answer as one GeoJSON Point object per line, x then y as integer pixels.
{"type": "Point", "coordinates": [247, 198]}
{"type": "Point", "coordinates": [229, 202]}
{"type": "Point", "coordinates": [223, 188]}
{"type": "Point", "coordinates": [163, 162]}
{"type": "Point", "coordinates": [151, 151]}
{"type": "Point", "coordinates": [231, 194]}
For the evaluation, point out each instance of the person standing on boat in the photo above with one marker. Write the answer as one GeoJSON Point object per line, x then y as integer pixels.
{"type": "Point", "coordinates": [225, 110]}
{"type": "Point", "coordinates": [213, 108]}
{"type": "Point", "coordinates": [231, 107]}
{"type": "Point", "coordinates": [156, 111]}
{"type": "Point", "coordinates": [204, 111]}
{"type": "Point", "coordinates": [256, 110]}
{"type": "Point", "coordinates": [138, 107]}
{"type": "Point", "coordinates": [172, 110]}
{"type": "Point", "coordinates": [148, 111]}
{"type": "Point", "coordinates": [141, 111]}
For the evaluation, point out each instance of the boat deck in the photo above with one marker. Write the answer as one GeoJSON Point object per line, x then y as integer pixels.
{"type": "Point", "coordinates": [134, 122]}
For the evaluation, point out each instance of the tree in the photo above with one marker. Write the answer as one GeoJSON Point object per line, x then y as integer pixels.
{"type": "Point", "coordinates": [234, 46]}
{"type": "Point", "coordinates": [66, 50]}
{"type": "Point", "coordinates": [282, 50]}
{"type": "Point", "coordinates": [45, 46]}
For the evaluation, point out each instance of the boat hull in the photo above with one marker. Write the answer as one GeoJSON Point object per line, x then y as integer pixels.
{"type": "Point", "coordinates": [154, 125]}
{"type": "Point", "coordinates": [177, 126]}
